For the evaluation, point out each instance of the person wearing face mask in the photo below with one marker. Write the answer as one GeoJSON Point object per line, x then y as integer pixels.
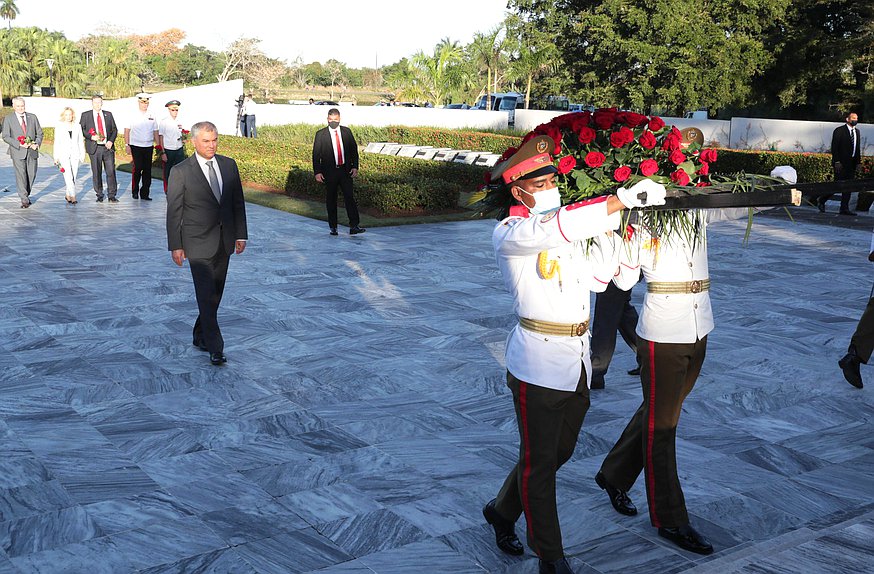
{"type": "Point", "coordinates": [335, 163]}
{"type": "Point", "coordinates": [846, 155]}
{"type": "Point", "coordinates": [549, 267]}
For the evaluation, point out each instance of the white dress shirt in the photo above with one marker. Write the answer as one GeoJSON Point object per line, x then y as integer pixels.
{"type": "Point", "coordinates": [171, 130]}
{"type": "Point", "coordinates": [142, 129]}
{"type": "Point", "coordinates": [335, 133]}
{"type": "Point", "coordinates": [554, 362]}
{"type": "Point", "coordinates": [205, 168]}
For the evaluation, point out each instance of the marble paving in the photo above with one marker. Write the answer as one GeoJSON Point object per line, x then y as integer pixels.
{"type": "Point", "coordinates": [362, 419]}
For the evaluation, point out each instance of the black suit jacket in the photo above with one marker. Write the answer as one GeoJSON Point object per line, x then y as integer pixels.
{"type": "Point", "coordinates": [196, 221]}
{"type": "Point", "coordinates": [842, 148]}
{"type": "Point", "coordinates": [323, 151]}
{"type": "Point", "coordinates": [87, 123]}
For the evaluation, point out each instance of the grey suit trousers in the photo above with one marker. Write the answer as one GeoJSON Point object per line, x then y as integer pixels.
{"type": "Point", "coordinates": [25, 174]}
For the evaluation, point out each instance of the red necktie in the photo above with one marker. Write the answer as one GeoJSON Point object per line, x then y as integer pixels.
{"type": "Point", "coordinates": [23, 126]}
{"type": "Point", "coordinates": [339, 148]}
{"type": "Point", "coordinates": [100, 124]}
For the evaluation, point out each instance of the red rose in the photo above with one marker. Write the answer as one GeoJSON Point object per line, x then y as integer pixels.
{"type": "Point", "coordinates": [622, 137]}
{"type": "Point", "coordinates": [63, 170]}
{"type": "Point", "coordinates": [672, 140]}
{"type": "Point", "coordinates": [708, 155]}
{"type": "Point", "coordinates": [631, 119]}
{"type": "Point", "coordinates": [647, 140]}
{"type": "Point", "coordinates": [622, 173]}
{"type": "Point", "coordinates": [704, 169]}
{"type": "Point", "coordinates": [656, 123]}
{"type": "Point", "coordinates": [680, 177]}
{"type": "Point", "coordinates": [563, 121]}
{"type": "Point", "coordinates": [587, 135]}
{"type": "Point", "coordinates": [594, 159]}
{"type": "Point", "coordinates": [677, 157]}
{"type": "Point", "coordinates": [91, 132]}
{"type": "Point", "coordinates": [529, 136]}
{"type": "Point", "coordinates": [566, 164]}
{"type": "Point", "coordinates": [648, 167]}
{"type": "Point", "coordinates": [580, 120]}
{"type": "Point", "coordinates": [22, 139]}
{"type": "Point", "coordinates": [604, 118]}
{"type": "Point", "coordinates": [702, 184]}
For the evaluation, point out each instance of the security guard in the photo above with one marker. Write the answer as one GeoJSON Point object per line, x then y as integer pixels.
{"type": "Point", "coordinates": [171, 138]}
{"type": "Point", "coordinates": [550, 270]}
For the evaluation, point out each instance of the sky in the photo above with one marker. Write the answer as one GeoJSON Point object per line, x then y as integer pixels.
{"type": "Point", "coordinates": [357, 32]}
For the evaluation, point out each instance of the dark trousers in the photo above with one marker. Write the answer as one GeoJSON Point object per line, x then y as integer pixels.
{"type": "Point", "coordinates": [103, 159]}
{"type": "Point", "coordinates": [845, 173]}
{"type": "Point", "coordinates": [549, 424]}
{"type": "Point", "coordinates": [613, 311]}
{"type": "Point", "coordinates": [340, 178]}
{"type": "Point", "coordinates": [209, 284]}
{"type": "Point", "coordinates": [863, 338]}
{"type": "Point", "coordinates": [25, 175]}
{"type": "Point", "coordinates": [244, 128]}
{"type": "Point", "coordinates": [667, 374]}
{"type": "Point", "coordinates": [174, 157]}
{"type": "Point", "coordinates": [251, 128]}
{"type": "Point", "coordinates": [141, 179]}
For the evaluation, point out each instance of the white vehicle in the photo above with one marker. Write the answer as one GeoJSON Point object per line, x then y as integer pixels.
{"type": "Point", "coordinates": [696, 115]}
{"type": "Point", "coordinates": [504, 102]}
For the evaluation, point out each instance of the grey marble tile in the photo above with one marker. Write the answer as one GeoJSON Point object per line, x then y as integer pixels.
{"type": "Point", "coordinates": [238, 525]}
{"type": "Point", "coordinates": [425, 556]}
{"type": "Point", "coordinates": [33, 499]}
{"type": "Point", "coordinates": [136, 511]}
{"type": "Point", "coordinates": [371, 532]}
{"type": "Point", "coordinates": [166, 541]}
{"type": "Point", "coordinates": [224, 561]}
{"type": "Point", "coordinates": [97, 556]}
{"type": "Point", "coordinates": [329, 503]}
{"type": "Point", "coordinates": [45, 531]}
{"type": "Point", "coordinates": [299, 551]}
{"type": "Point", "coordinates": [218, 492]}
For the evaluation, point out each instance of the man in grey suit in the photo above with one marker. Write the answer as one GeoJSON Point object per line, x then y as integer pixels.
{"type": "Point", "coordinates": [206, 221]}
{"type": "Point", "coordinates": [23, 133]}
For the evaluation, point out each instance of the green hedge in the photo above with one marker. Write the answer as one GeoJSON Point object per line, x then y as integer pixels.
{"type": "Point", "coordinates": [811, 167]}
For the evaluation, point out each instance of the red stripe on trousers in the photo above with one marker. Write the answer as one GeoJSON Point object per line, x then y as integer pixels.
{"type": "Point", "coordinates": [650, 475]}
{"type": "Point", "coordinates": [526, 459]}
{"type": "Point", "coordinates": [133, 179]}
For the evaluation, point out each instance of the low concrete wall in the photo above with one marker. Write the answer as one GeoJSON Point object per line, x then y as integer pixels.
{"type": "Point", "coordinates": [381, 116]}
{"type": "Point", "coordinates": [214, 102]}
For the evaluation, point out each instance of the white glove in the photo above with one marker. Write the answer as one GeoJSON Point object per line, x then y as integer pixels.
{"type": "Point", "coordinates": [644, 193]}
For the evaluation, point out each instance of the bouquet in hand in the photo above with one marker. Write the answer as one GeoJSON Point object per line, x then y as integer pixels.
{"type": "Point", "coordinates": [100, 137]}
{"type": "Point", "coordinates": [60, 167]}
{"type": "Point", "coordinates": [25, 141]}
{"type": "Point", "coordinates": [184, 134]}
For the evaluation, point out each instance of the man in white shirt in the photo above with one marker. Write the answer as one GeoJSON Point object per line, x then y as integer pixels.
{"type": "Point", "coordinates": [171, 138]}
{"type": "Point", "coordinates": [140, 137]}
{"type": "Point", "coordinates": [549, 269]}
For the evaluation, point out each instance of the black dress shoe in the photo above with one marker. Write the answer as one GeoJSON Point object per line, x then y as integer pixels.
{"type": "Point", "coordinates": [687, 538]}
{"type": "Point", "coordinates": [135, 195]}
{"type": "Point", "coordinates": [333, 231]}
{"type": "Point", "coordinates": [99, 200]}
{"type": "Point", "coordinates": [505, 531]}
{"type": "Point", "coordinates": [217, 358]}
{"type": "Point", "coordinates": [635, 372]}
{"type": "Point", "coordinates": [356, 230]}
{"type": "Point", "coordinates": [849, 364]}
{"type": "Point", "coordinates": [144, 198]}
{"type": "Point", "coordinates": [847, 212]}
{"type": "Point", "coordinates": [559, 566]}
{"type": "Point", "coordinates": [113, 200]}
{"type": "Point", "coordinates": [618, 498]}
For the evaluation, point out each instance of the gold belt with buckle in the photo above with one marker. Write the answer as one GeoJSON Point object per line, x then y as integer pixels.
{"type": "Point", "coordinates": [558, 329]}
{"type": "Point", "coordinates": [678, 287]}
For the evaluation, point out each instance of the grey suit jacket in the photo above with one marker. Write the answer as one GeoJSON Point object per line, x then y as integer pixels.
{"type": "Point", "coordinates": [12, 130]}
{"type": "Point", "coordinates": [196, 221]}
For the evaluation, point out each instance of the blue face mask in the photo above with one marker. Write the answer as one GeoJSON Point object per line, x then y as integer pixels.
{"type": "Point", "coordinates": [545, 200]}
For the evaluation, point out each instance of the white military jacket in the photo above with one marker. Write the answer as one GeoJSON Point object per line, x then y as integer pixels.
{"type": "Point", "coordinates": [554, 362]}
{"type": "Point", "coordinates": [676, 317]}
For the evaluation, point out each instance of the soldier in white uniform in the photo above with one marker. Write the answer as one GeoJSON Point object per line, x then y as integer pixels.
{"type": "Point", "coordinates": [549, 270]}
{"type": "Point", "coordinates": [673, 327]}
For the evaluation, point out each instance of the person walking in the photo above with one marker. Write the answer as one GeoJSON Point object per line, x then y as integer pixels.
{"type": "Point", "coordinates": [862, 341]}
{"type": "Point", "coordinates": [335, 163]}
{"type": "Point", "coordinates": [846, 154]}
{"type": "Point", "coordinates": [100, 132]}
{"type": "Point", "coordinates": [68, 151]}
{"type": "Point", "coordinates": [171, 139]}
{"type": "Point", "coordinates": [206, 222]}
{"type": "Point", "coordinates": [23, 134]}
{"type": "Point", "coordinates": [140, 140]}
{"type": "Point", "coordinates": [549, 271]}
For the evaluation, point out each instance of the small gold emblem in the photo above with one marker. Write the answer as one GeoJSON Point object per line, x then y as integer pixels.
{"type": "Point", "coordinates": [541, 146]}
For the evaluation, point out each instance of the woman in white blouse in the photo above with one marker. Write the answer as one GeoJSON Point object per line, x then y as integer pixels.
{"type": "Point", "coordinates": [69, 151]}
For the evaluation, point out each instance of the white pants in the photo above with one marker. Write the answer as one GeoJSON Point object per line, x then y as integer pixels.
{"type": "Point", "coordinates": [71, 166]}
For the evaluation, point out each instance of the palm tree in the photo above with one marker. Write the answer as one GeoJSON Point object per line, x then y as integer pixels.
{"type": "Point", "coordinates": [32, 45]}
{"type": "Point", "coordinates": [8, 11]}
{"type": "Point", "coordinates": [530, 63]}
{"type": "Point", "coordinates": [13, 70]}
{"type": "Point", "coordinates": [439, 73]}
{"type": "Point", "coordinates": [487, 50]}
{"type": "Point", "coordinates": [116, 68]}
{"type": "Point", "coordinates": [69, 70]}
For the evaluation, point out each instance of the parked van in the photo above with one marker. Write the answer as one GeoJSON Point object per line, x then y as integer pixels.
{"type": "Point", "coordinates": [504, 102]}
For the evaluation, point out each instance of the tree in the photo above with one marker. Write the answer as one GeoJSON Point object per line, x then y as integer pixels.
{"type": "Point", "coordinates": [116, 68]}
{"type": "Point", "coordinates": [8, 11]}
{"type": "Point", "coordinates": [32, 45]}
{"type": "Point", "coordinates": [336, 73]}
{"type": "Point", "coordinates": [486, 52]}
{"type": "Point", "coordinates": [13, 70]}
{"type": "Point", "coordinates": [265, 73]}
{"type": "Point", "coordinates": [68, 69]}
{"type": "Point", "coordinates": [239, 55]}
{"type": "Point", "coordinates": [161, 44]}
{"type": "Point", "coordinates": [671, 53]}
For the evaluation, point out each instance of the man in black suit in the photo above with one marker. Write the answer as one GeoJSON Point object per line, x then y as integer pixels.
{"type": "Point", "coordinates": [21, 130]}
{"type": "Point", "coordinates": [100, 131]}
{"type": "Point", "coordinates": [846, 154]}
{"type": "Point", "coordinates": [206, 221]}
{"type": "Point", "coordinates": [335, 163]}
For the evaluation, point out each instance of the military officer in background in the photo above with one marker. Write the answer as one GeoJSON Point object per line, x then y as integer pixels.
{"type": "Point", "coordinates": [549, 270]}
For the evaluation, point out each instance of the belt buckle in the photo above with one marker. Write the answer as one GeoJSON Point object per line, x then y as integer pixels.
{"type": "Point", "coordinates": [581, 329]}
{"type": "Point", "coordinates": [695, 286]}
